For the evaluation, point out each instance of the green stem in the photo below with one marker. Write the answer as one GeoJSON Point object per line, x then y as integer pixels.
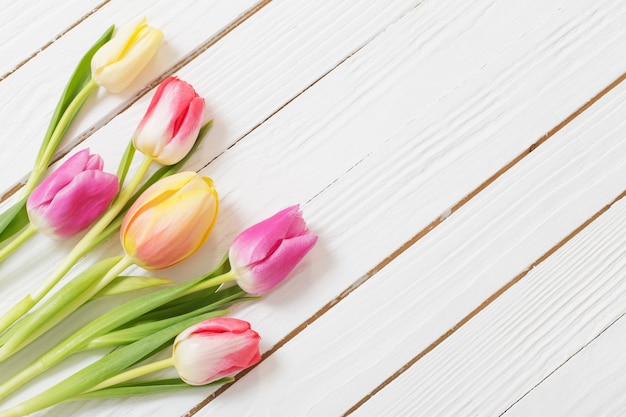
{"type": "Point", "coordinates": [135, 373]}
{"type": "Point", "coordinates": [43, 160]}
{"type": "Point", "coordinates": [32, 329]}
{"type": "Point", "coordinates": [17, 241]}
{"type": "Point", "coordinates": [82, 338]}
{"type": "Point", "coordinates": [211, 282]}
{"type": "Point", "coordinates": [81, 248]}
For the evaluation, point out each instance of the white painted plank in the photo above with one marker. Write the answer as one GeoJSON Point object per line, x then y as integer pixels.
{"type": "Point", "coordinates": [306, 68]}
{"type": "Point", "coordinates": [27, 27]}
{"type": "Point", "coordinates": [525, 334]}
{"type": "Point", "coordinates": [591, 383]}
{"type": "Point", "coordinates": [32, 92]}
{"type": "Point", "coordinates": [400, 311]}
{"type": "Point", "coordinates": [340, 117]}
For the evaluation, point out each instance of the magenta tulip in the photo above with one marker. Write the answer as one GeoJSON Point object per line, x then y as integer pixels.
{"type": "Point", "coordinates": [214, 349]}
{"type": "Point", "coordinates": [263, 255]}
{"type": "Point", "coordinates": [171, 124]}
{"type": "Point", "coordinates": [72, 197]}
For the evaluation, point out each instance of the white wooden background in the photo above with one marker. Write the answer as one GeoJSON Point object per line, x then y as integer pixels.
{"type": "Point", "coordinates": [463, 163]}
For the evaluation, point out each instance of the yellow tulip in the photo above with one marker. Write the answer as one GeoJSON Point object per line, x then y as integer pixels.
{"type": "Point", "coordinates": [118, 62]}
{"type": "Point", "coordinates": [170, 220]}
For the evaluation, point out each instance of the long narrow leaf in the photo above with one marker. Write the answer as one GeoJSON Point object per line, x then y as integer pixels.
{"type": "Point", "coordinates": [106, 367]}
{"type": "Point", "coordinates": [144, 388]}
{"type": "Point", "coordinates": [80, 77]}
{"type": "Point", "coordinates": [13, 220]}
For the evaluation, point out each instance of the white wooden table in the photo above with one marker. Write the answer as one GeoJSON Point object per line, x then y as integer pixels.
{"type": "Point", "coordinates": [463, 163]}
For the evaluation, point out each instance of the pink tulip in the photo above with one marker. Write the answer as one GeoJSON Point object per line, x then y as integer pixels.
{"type": "Point", "coordinates": [171, 124]}
{"type": "Point", "coordinates": [72, 197]}
{"type": "Point", "coordinates": [262, 256]}
{"type": "Point", "coordinates": [170, 220]}
{"type": "Point", "coordinates": [215, 348]}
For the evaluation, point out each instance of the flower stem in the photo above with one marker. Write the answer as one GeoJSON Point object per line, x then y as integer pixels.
{"type": "Point", "coordinates": [135, 373]}
{"type": "Point", "coordinates": [43, 159]}
{"type": "Point", "coordinates": [17, 241]}
{"type": "Point", "coordinates": [81, 248]}
{"type": "Point", "coordinates": [34, 326]}
{"type": "Point", "coordinates": [212, 282]}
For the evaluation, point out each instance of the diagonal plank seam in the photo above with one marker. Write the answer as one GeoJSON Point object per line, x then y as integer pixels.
{"type": "Point", "coordinates": [177, 66]}
{"type": "Point", "coordinates": [419, 236]}
{"type": "Point", "coordinates": [56, 38]}
{"type": "Point", "coordinates": [564, 362]}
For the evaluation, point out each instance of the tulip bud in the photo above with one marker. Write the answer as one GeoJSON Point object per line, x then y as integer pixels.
{"type": "Point", "coordinates": [214, 349]}
{"type": "Point", "coordinates": [171, 124]}
{"type": "Point", "coordinates": [170, 220]}
{"type": "Point", "coordinates": [118, 62]}
{"type": "Point", "coordinates": [263, 255]}
{"type": "Point", "coordinates": [72, 197]}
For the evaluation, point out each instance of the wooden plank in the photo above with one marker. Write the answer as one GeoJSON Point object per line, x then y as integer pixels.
{"type": "Point", "coordinates": [591, 383]}
{"type": "Point", "coordinates": [439, 281]}
{"type": "Point", "coordinates": [341, 120]}
{"type": "Point", "coordinates": [32, 92]}
{"type": "Point", "coordinates": [28, 27]}
{"type": "Point", "coordinates": [305, 66]}
{"type": "Point", "coordinates": [526, 334]}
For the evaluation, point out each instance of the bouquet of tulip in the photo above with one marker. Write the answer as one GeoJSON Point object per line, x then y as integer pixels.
{"type": "Point", "coordinates": [162, 220]}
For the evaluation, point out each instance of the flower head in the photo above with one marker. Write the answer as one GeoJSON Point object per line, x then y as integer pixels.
{"type": "Point", "coordinates": [171, 124]}
{"type": "Point", "coordinates": [263, 255]}
{"type": "Point", "coordinates": [72, 197]}
{"type": "Point", "coordinates": [118, 62]}
{"type": "Point", "coordinates": [215, 348]}
{"type": "Point", "coordinates": [170, 220]}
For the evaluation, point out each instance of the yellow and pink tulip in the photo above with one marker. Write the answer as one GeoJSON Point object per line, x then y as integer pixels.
{"type": "Point", "coordinates": [170, 220]}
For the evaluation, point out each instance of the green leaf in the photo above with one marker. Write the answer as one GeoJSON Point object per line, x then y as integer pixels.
{"type": "Point", "coordinates": [15, 338]}
{"type": "Point", "coordinates": [129, 334]}
{"type": "Point", "coordinates": [125, 162]}
{"type": "Point", "coordinates": [145, 388]}
{"type": "Point", "coordinates": [168, 309]}
{"type": "Point", "coordinates": [124, 283]}
{"type": "Point", "coordinates": [106, 367]}
{"type": "Point", "coordinates": [13, 220]}
{"type": "Point", "coordinates": [78, 80]}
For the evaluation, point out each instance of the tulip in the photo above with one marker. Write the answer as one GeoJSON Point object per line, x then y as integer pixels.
{"type": "Point", "coordinates": [118, 62]}
{"type": "Point", "coordinates": [72, 197]}
{"type": "Point", "coordinates": [171, 124]}
{"type": "Point", "coordinates": [263, 255]}
{"type": "Point", "coordinates": [215, 348]}
{"type": "Point", "coordinates": [170, 220]}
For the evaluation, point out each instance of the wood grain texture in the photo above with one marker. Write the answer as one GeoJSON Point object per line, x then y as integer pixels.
{"type": "Point", "coordinates": [26, 28]}
{"type": "Point", "coordinates": [558, 307]}
{"type": "Point", "coordinates": [591, 383]}
{"type": "Point", "coordinates": [380, 116]}
{"type": "Point", "coordinates": [33, 91]}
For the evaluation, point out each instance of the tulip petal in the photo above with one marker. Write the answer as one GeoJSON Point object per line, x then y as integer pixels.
{"type": "Point", "coordinates": [186, 134]}
{"type": "Point", "coordinates": [256, 242]}
{"type": "Point", "coordinates": [78, 204]}
{"type": "Point", "coordinates": [211, 350]}
{"type": "Point", "coordinates": [265, 275]}
{"type": "Point", "coordinates": [58, 179]}
{"type": "Point", "coordinates": [118, 62]}
{"type": "Point", "coordinates": [157, 192]}
{"type": "Point", "coordinates": [170, 220]}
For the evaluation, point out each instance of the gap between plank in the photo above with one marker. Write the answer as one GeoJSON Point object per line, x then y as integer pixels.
{"type": "Point", "coordinates": [419, 236]}
{"type": "Point", "coordinates": [564, 362]}
{"type": "Point", "coordinates": [177, 66]}
{"type": "Point", "coordinates": [484, 304]}
{"type": "Point", "coordinates": [56, 38]}
{"type": "Point", "coordinates": [517, 278]}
